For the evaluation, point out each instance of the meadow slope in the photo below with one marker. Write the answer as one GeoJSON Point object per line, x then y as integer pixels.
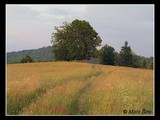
{"type": "Point", "coordinates": [75, 88]}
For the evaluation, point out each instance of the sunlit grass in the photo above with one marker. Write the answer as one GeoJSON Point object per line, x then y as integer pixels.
{"type": "Point", "coordinates": [72, 88]}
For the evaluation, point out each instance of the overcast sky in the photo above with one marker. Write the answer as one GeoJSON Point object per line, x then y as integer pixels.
{"type": "Point", "coordinates": [30, 26]}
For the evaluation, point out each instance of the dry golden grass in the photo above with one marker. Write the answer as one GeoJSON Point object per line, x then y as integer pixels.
{"type": "Point", "coordinates": [73, 88]}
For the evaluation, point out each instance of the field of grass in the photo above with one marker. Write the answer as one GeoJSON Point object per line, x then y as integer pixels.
{"type": "Point", "coordinates": [76, 88]}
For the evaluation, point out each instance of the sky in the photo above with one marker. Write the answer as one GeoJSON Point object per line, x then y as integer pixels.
{"type": "Point", "coordinates": [31, 26]}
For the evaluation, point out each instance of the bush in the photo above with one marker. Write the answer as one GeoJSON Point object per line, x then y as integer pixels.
{"type": "Point", "coordinates": [27, 59]}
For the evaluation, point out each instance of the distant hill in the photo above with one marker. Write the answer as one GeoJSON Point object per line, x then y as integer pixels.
{"type": "Point", "coordinates": [39, 55]}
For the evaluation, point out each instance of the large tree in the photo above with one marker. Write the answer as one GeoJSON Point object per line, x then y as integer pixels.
{"type": "Point", "coordinates": [126, 57]}
{"type": "Point", "coordinates": [75, 41]}
{"type": "Point", "coordinates": [107, 55]}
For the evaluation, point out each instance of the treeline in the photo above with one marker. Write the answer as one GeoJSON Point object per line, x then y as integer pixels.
{"type": "Point", "coordinates": [79, 41]}
{"type": "Point", "coordinates": [108, 56]}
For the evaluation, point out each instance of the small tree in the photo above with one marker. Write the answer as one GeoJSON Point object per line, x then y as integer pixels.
{"type": "Point", "coordinates": [151, 65]}
{"type": "Point", "coordinates": [125, 56]}
{"type": "Point", "coordinates": [116, 55]}
{"type": "Point", "coordinates": [144, 64]}
{"type": "Point", "coordinates": [27, 59]}
{"type": "Point", "coordinates": [107, 55]}
{"type": "Point", "coordinates": [135, 63]}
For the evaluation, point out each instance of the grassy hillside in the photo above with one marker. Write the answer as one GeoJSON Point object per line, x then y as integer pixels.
{"type": "Point", "coordinates": [39, 55]}
{"type": "Point", "coordinates": [72, 88]}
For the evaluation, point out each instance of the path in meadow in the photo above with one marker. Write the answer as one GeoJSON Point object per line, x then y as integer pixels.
{"type": "Point", "coordinates": [82, 100]}
{"type": "Point", "coordinates": [79, 104]}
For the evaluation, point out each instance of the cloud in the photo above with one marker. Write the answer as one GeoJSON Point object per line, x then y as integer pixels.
{"type": "Point", "coordinates": [114, 23]}
{"type": "Point", "coordinates": [17, 12]}
{"type": "Point", "coordinates": [50, 13]}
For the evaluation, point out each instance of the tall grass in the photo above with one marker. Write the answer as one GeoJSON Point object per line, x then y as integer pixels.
{"type": "Point", "coordinates": [72, 88]}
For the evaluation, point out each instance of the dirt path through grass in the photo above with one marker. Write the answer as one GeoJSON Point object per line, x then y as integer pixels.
{"type": "Point", "coordinates": [78, 105]}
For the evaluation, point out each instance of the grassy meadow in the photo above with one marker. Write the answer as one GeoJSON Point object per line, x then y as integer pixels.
{"type": "Point", "coordinates": [77, 88]}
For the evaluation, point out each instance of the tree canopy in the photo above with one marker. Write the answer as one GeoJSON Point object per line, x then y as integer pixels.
{"type": "Point", "coordinates": [75, 41]}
